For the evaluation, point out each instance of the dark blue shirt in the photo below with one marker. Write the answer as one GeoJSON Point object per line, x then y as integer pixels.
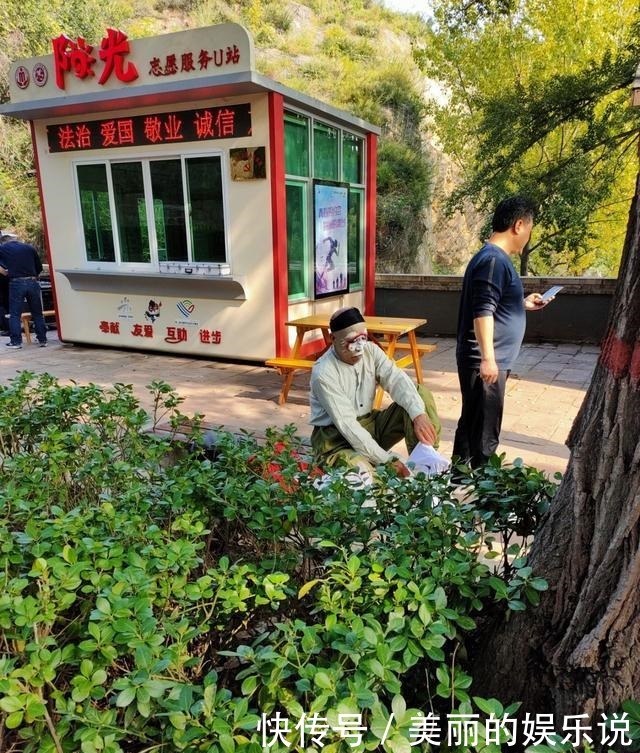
{"type": "Point", "coordinates": [491, 287]}
{"type": "Point", "coordinates": [20, 259]}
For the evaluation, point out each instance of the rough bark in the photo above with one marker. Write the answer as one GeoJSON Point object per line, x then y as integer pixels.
{"type": "Point", "coordinates": [579, 651]}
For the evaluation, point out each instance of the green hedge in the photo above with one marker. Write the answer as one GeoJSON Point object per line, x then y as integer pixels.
{"type": "Point", "coordinates": [154, 600]}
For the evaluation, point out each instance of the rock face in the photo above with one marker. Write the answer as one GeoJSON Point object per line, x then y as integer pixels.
{"type": "Point", "coordinates": [449, 241]}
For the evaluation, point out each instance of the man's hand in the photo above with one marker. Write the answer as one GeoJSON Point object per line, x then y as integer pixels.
{"type": "Point", "coordinates": [3, 272]}
{"type": "Point", "coordinates": [489, 370]}
{"type": "Point", "coordinates": [535, 301]}
{"type": "Point", "coordinates": [424, 429]}
{"type": "Point", "coordinates": [400, 468]}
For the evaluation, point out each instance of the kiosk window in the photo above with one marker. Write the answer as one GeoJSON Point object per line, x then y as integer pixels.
{"type": "Point", "coordinates": [131, 212]}
{"type": "Point", "coordinates": [315, 150]}
{"type": "Point", "coordinates": [96, 214]}
{"type": "Point", "coordinates": [355, 237]}
{"type": "Point", "coordinates": [352, 151]}
{"type": "Point", "coordinates": [159, 211]}
{"type": "Point", "coordinates": [168, 210]}
{"type": "Point", "coordinates": [204, 176]}
{"type": "Point", "coordinates": [296, 145]}
{"type": "Point", "coordinates": [325, 152]}
{"type": "Point", "coordinates": [297, 239]}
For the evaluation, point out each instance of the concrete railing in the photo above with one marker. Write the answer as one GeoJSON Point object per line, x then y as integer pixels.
{"type": "Point", "coordinates": [579, 313]}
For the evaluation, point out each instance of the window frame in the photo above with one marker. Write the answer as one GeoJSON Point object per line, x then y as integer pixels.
{"type": "Point", "coordinates": [154, 264]}
{"type": "Point", "coordinates": [358, 286]}
{"type": "Point", "coordinates": [361, 187]}
{"type": "Point", "coordinates": [304, 184]}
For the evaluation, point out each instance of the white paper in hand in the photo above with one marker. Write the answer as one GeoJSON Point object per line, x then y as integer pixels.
{"type": "Point", "coordinates": [427, 460]}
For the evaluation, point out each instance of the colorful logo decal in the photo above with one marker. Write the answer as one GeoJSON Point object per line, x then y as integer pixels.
{"type": "Point", "coordinates": [22, 77]}
{"type": "Point", "coordinates": [40, 74]}
{"type": "Point", "coordinates": [185, 307]}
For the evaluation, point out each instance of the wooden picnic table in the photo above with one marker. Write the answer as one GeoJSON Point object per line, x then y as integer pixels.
{"type": "Point", "coordinates": [388, 328]}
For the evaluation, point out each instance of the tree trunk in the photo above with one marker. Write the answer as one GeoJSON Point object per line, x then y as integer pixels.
{"type": "Point", "coordinates": [579, 651]}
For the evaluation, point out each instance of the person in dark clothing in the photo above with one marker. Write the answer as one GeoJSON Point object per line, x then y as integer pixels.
{"type": "Point", "coordinates": [491, 325]}
{"type": "Point", "coordinates": [4, 304]}
{"type": "Point", "coordinates": [20, 263]}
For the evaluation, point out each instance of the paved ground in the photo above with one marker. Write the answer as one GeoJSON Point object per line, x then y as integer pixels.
{"type": "Point", "coordinates": [543, 396]}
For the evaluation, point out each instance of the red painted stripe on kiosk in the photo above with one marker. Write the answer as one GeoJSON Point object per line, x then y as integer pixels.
{"type": "Point", "coordinates": [370, 226]}
{"type": "Point", "coordinates": [279, 222]}
{"type": "Point", "coordinates": [45, 228]}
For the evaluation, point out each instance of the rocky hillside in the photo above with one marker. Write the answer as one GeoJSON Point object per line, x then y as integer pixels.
{"type": "Point", "coordinates": [353, 53]}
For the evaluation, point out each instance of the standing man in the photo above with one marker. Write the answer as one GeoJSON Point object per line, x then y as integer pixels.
{"type": "Point", "coordinates": [21, 264]}
{"type": "Point", "coordinates": [491, 325]}
{"type": "Point", "coordinates": [343, 387]}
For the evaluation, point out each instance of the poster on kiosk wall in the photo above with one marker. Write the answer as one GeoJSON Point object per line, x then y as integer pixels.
{"type": "Point", "coordinates": [330, 205]}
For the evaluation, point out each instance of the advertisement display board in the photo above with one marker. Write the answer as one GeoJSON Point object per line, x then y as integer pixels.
{"type": "Point", "coordinates": [330, 206]}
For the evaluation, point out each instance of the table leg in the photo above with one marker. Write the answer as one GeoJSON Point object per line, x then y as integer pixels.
{"type": "Point", "coordinates": [287, 376]}
{"type": "Point", "coordinates": [297, 345]}
{"type": "Point", "coordinates": [391, 349]}
{"type": "Point", "coordinates": [417, 364]}
{"type": "Point", "coordinates": [286, 386]}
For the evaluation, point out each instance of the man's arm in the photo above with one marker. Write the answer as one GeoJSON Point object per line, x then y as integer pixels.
{"type": "Point", "coordinates": [37, 262]}
{"type": "Point", "coordinates": [3, 272]}
{"type": "Point", "coordinates": [483, 329]}
{"type": "Point", "coordinates": [402, 391]}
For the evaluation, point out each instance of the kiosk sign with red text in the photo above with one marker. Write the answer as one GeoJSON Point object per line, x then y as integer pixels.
{"type": "Point", "coordinates": [78, 66]}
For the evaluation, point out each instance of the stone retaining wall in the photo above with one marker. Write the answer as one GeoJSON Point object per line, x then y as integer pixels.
{"type": "Point", "coordinates": [579, 313]}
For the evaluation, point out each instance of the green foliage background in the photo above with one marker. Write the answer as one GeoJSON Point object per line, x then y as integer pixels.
{"type": "Point", "coordinates": [153, 599]}
{"type": "Point", "coordinates": [538, 104]}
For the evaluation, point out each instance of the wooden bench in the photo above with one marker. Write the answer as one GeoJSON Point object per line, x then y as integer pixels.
{"type": "Point", "coordinates": [287, 367]}
{"type": "Point", "coordinates": [407, 360]}
{"type": "Point", "coordinates": [422, 348]}
{"type": "Point", "coordinates": [26, 321]}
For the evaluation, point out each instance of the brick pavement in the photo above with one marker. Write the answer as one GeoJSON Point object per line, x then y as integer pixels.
{"type": "Point", "coordinates": [543, 396]}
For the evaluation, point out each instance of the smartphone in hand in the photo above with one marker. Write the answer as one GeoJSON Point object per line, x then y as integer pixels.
{"type": "Point", "coordinates": [551, 293]}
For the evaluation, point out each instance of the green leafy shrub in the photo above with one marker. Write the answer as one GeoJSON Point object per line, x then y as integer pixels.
{"type": "Point", "coordinates": [510, 500]}
{"type": "Point", "coordinates": [337, 42]}
{"type": "Point", "coordinates": [152, 599]}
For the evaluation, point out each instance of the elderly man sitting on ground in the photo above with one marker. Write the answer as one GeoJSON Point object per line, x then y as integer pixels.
{"type": "Point", "coordinates": [343, 388]}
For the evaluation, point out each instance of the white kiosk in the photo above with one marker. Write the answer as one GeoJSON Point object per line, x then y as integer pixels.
{"type": "Point", "coordinates": [190, 204]}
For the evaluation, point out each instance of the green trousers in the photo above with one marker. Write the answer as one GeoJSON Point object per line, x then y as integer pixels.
{"type": "Point", "coordinates": [386, 426]}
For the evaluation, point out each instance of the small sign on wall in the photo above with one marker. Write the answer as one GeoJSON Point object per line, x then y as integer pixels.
{"type": "Point", "coordinates": [248, 163]}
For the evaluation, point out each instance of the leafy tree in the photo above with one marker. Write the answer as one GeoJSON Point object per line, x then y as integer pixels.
{"type": "Point", "coordinates": [537, 103]}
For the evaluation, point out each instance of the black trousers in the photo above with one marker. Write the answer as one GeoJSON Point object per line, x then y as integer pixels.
{"type": "Point", "coordinates": [478, 431]}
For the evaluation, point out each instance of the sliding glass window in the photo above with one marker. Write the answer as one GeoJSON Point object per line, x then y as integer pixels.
{"type": "Point", "coordinates": [153, 212]}
{"type": "Point", "coordinates": [168, 210]}
{"type": "Point", "coordinates": [297, 232]}
{"type": "Point", "coordinates": [96, 213]}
